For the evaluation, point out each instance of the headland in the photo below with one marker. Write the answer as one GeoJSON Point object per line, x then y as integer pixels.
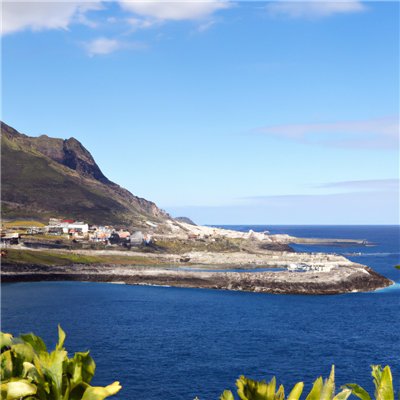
{"type": "Point", "coordinates": [184, 261]}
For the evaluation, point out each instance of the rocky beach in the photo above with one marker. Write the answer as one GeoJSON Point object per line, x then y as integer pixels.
{"type": "Point", "coordinates": [346, 277]}
{"type": "Point", "coordinates": [198, 257]}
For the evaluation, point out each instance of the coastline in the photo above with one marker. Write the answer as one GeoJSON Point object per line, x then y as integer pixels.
{"type": "Point", "coordinates": [348, 278]}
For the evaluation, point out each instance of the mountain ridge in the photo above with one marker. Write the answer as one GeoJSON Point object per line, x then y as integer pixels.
{"type": "Point", "coordinates": [44, 176]}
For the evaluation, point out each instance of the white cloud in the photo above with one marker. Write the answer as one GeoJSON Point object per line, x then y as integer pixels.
{"type": "Point", "coordinates": [140, 23]}
{"type": "Point", "coordinates": [204, 27]}
{"type": "Point", "coordinates": [370, 184]}
{"type": "Point", "coordinates": [49, 14]}
{"type": "Point", "coordinates": [376, 133]}
{"type": "Point", "coordinates": [178, 10]}
{"type": "Point", "coordinates": [313, 9]}
{"type": "Point", "coordinates": [18, 16]}
{"type": "Point", "coordinates": [103, 45]}
{"type": "Point", "coordinates": [81, 19]}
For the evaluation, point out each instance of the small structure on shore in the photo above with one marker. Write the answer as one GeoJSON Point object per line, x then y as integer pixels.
{"type": "Point", "coordinates": [302, 267]}
{"type": "Point", "coordinates": [136, 238]}
{"type": "Point", "coordinates": [9, 238]}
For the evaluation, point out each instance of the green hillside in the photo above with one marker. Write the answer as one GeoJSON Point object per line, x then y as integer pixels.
{"type": "Point", "coordinates": [35, 186]}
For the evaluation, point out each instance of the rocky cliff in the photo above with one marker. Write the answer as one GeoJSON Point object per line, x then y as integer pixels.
{"type": "Point", "coordinates": [43, 177]}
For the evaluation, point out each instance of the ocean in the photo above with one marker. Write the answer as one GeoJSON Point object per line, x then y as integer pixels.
{"type": "Point", "coordinates": [179, 343]}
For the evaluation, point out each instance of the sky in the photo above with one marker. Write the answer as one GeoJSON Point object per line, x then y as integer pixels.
{"type": "Point", "coordinates": [223, 112]}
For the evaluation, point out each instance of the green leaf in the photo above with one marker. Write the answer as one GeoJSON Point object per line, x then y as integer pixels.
{"type": "Point", "coordinates": [78, 391]}
{"type": "Point", "coordinates": [327, 391]}
{"type": "Point", "coordinates": [296, 392]}
{"type": "Point", "coordinates": [316, 390]}
{"type": "Point", "coordinates": [376, 373]}
{"type": "Point", "coordinates": [280, 394]}
{"type": "Point", "coordinates": [23, 351]}
{"type": "Point", "coordinates": [61, 338]}
{"type": "Point", "coordinates": [253, 390]}
{"type": "Point", "coordinates": [227, 395]}
{"type": "Point", "coordinates": [35, 341]}
{"type": "Point", "coordinates": [343, 395]}
{"type": "Point", "coordinates": [53, 368]}
{"type": "Point", "coordinates": [81, 368]}
{"type": "Point", "coordinates": [31, 373]}
{"type": "Point", "coordinates": [20, 353]}
{"type": "Point", "coordinates": [100, 393]}
{"type": "Point", "coordinates": [6, 340]}
{"type": "Point", "coordinates": [6, 365]}
{"type": "Point", "coordinates": [241, 383]}
{"type": "Point", "coordinates": [357, 391]}
{"type": "Point", "coordinates": [16, 389]}
{"type": "Point", "coordinates": [268, 389]}
{"type": "Point", "coordinates": [385, 388]}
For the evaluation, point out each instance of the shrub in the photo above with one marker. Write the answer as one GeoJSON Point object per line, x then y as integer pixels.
{"type": "Point", "coordinates": [253, 390]}
{"type": "Point", "coordinates": [28, 371]}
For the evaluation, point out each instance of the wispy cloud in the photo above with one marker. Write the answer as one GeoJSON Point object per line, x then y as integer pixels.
{"type": "Point", "coordinates": [371, 184]}
{"type": "Point", "coordinates": [103, 45]}
{"type": "Point", "coordinates": [204, 27]}
{"type": "Point", "coordinates": [354, 208]}
{"type": "Point", "coordinates": [376, 133]}
{"type": "Point", "coordinates": [312, 9]}
{"type": "Point", "coordinates": [137, 23]}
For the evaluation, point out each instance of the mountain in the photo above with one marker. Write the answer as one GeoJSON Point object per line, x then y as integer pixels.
{"type": "Point", "coordinates": [43, 177]}
{"type": "Point", "coordinates": [185, 219]}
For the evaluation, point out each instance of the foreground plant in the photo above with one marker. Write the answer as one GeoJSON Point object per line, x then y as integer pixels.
{"type": "Point", "coordinates": [383, 385]}
{"type": "Point", "coordinates": [253, 390]}
{"type": "Point", "coordinates": [28, 371]}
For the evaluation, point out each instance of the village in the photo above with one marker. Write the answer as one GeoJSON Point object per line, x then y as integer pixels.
{"type": "Point", "coordinates": [169, 242]}
{"type": "Point", "coordinates": [175, 253]}
{"type": "Point", "coordinates": [108, 235]}
{"type": "Point", "coordinates": [74, 230]}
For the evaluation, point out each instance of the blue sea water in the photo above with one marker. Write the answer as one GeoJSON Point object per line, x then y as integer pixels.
{"type": "Point", "coordinates": [179, 343]}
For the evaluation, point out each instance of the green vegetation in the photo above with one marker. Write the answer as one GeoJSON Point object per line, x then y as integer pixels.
{"type": "Point", "coordinates": [38, 183]}
{"type": "Point", "coordinates": [383, 385]}
{"type": "Point", "coordinates": [253, 390]}
{"type": "Point", "coordinates": [23, 223]}
{"type": "Point", "coordinates": [29, 372]}
{"type": "Point", "coordinates": [48, 237]}
{"type": "Point", "coordinates": [48, 258]}
{"type": "Point", "coordinates": [177, 247]}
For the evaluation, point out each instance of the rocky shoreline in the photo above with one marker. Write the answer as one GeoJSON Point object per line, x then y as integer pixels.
{"type": "Point", "coordinates": [347, 278]}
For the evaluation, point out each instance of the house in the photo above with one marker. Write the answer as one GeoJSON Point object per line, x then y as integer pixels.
{"type": "Point", "coordinates": [9, 238]}
{"type": "Point", "coordinates": [136, 238]}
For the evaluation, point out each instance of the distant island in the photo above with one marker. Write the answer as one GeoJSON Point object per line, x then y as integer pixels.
{"type": "Point", "coordinates": [62, 219]}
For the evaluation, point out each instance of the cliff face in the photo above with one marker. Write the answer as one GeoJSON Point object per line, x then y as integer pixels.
{"type": "Point", "coordinates": [70, 153]}
{"type": "Point", "coordinates": [43, 176]}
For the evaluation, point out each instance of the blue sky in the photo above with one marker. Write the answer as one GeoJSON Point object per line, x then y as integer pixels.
{"type": "Point", "coordinates": [225, 112]}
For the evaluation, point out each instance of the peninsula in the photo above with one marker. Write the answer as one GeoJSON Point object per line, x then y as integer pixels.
{"type": "Point", "coordinates": [62, 219]}
{"type": "Point", "coordinates": [220, 259]}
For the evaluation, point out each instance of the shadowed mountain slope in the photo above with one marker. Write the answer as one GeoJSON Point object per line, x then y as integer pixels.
{"type": "Point", "coordinates": [44, 177]}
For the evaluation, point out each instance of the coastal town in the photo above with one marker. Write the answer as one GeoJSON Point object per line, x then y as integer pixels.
{"type": "Point", "coordinates": [176, 253]}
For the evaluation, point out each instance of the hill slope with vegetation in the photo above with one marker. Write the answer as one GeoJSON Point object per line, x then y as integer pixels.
{"type": "Point", "coordinates": [44, 177]}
